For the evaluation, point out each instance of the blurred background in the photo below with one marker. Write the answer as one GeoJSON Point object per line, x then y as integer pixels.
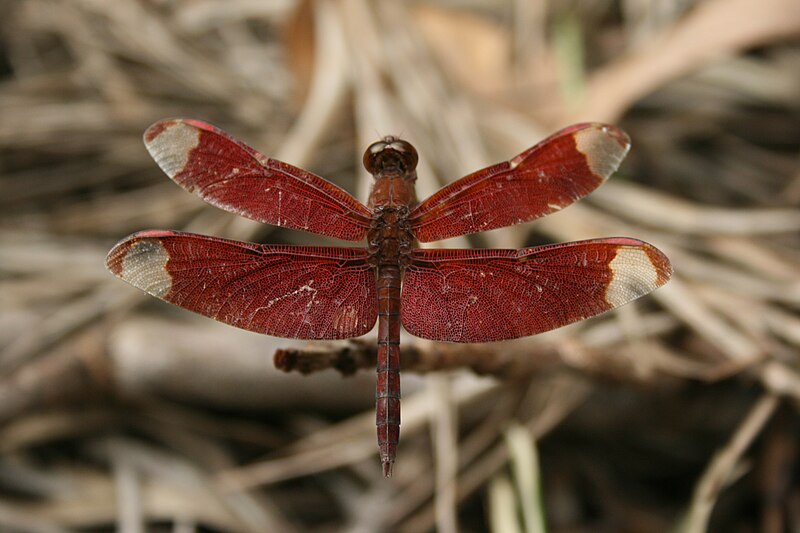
{"type": "Point", "coordinates": [675, 413]}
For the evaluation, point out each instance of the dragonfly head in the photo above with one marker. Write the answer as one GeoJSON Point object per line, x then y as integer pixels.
{"type": "Point", "coordinates": [390, 154]}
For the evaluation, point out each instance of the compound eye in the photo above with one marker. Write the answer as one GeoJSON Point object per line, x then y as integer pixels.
{"type": "Point", "coordinates": [371, 155]}
{"type": "Point", "coordinates": [407, 152]}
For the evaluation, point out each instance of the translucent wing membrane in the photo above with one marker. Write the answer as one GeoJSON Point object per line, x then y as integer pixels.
{"type": "Point", "coordinates": [286, 291]}
{"type": "Point", "coordinates": [543, 179]}
{"type": "Point", "coordinates": [492, 295]}
{"type": "Point", "coordinates": [232, 176]}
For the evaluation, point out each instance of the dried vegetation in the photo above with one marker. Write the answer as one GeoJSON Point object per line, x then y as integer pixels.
{"type": "Point", "coordinates": [678, 412]}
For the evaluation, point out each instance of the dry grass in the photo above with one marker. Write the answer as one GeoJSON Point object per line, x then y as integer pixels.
{"type": "Point", "coordinates": [678, 412]}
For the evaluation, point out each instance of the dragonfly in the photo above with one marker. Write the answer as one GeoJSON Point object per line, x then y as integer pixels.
{"type": "Point", "coordinates": [323, 293]}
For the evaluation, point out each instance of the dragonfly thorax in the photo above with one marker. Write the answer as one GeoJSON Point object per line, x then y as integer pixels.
{"type": "Point", "coordinates": [390, 239]}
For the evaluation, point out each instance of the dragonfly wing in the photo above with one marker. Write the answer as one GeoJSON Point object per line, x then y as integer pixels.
{"type": "Point", "coordinates": [286, 291]}
{"type": "Point", "coordinates": [232, 176]}
{"type": "Point", "coordinates": [546, 178]}
{"type": "Point", "coordinates": [493, 295]}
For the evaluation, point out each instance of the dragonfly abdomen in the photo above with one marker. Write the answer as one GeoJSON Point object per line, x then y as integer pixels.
{"type": "Point", "coordinates": [387, 395]}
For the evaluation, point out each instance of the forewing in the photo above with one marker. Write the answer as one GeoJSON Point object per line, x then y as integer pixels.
{"type": "Point", "coordinates": [546, 178]}
{"type": "Point", "coordinates": [232, 176]}
{"type": "Point", "coordinates": [492, 295]}
{"type": "Point", "coordinates": [286, 291]}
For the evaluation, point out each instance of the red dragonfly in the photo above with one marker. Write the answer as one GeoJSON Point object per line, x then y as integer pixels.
{"type": "Point", "coordinates": [310, 292]}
